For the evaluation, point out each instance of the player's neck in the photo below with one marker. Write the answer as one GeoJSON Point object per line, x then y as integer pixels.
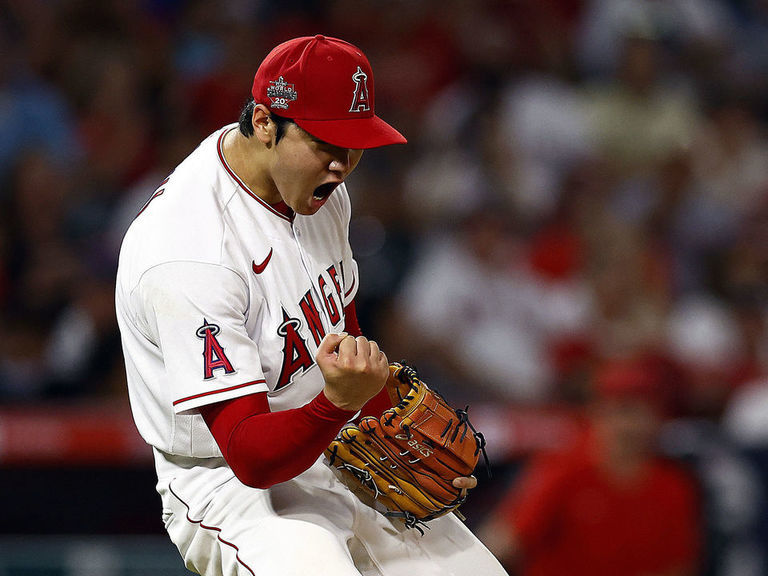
{"type": "Point", "coordinates": [249, 161]}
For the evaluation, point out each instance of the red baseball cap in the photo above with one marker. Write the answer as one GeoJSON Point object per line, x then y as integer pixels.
{"type": "Point", "coordinates": [325, 85]}
{"type": "Point", "coordinates": [630, 379]}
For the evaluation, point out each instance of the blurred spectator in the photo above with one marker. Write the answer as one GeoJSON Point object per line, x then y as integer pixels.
{"type": "Point", "coordinates": [115, 128]}
{"type": "Point", "coordinates": [725, 195]}
{"type": "Point", "coordinates": [447, 181]}
{"type": "Point", "coordinates": [458, 303]}
{"type": "Point", "coordinates": [42, 267]}
{"type": "Point", "coordinates": [745, 417]}
{"type": "Point", "coordinates": [704, 339]}
{"type": "Point", "coordinates": [82, 355]}
{"type": "Point", "coordinates": [733, 491]}
{"type": "Point", "coordinates": [42, 263]}
{"type": "Point", "coordinates": [542, 135]}
{"type": "Point", "coordinates": [446, 185]}
{"type": "Point", "coordinates": [731, 157]}
{"type": "Point", "coordinates": [746, 424]}
{"type": "Point", "coordinates": [745, 64]}
{"type": "Point", "coordinates": [715, 350]}
{"type": "Point", "coordinates": [629, 290]}
{"type": "Point", "coordinates": [604, 23]}
{"type": "Point", "coordinates": [34, 114]}
{"type": "Point", "coordinates": [471, 302]}
{"type": "Point", "coordinates": [607, 505]}
{"type": "Point", "coordinates": [639, 116]}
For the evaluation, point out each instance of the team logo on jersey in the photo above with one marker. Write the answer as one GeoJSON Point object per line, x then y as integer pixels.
{"type": "Point", "coordinates": [296, 356]}
{"type": "Point", "coordinates": [360, 102]}
{"type": "Point", "coordinates": [281, 93]}
{"type": "Point", "coordinates": [306, 326]}
{"type": "Point", "coordinates": [214, 357]}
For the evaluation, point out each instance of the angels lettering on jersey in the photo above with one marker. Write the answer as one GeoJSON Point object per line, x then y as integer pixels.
{"type": "Point", "coordinates": [294, 330]}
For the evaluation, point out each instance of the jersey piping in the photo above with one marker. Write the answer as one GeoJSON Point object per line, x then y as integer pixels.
{"type": "Point", "coordinates": [215, 529]}
{"type": "Point", "coordinates": [236, 178]}
{"type": "Point", "coordinates": [219, 391]}
{"type": "Point", "coordinates": [351, 287]}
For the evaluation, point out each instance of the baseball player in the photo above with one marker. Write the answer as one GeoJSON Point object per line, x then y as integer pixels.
{"type": "Point", "coordinates": [235, 300]}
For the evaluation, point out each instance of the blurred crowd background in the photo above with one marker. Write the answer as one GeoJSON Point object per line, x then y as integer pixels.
{"type": "Point", "coordinates": [584, 192]}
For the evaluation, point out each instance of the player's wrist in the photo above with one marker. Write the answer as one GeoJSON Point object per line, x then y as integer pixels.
{"type": "Point", "coordinates": [325, 406]}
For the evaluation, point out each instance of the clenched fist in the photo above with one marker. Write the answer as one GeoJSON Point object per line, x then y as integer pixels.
{"type": "Point", "coordinates": [354, 369]}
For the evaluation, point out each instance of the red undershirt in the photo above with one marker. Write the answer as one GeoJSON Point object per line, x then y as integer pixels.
{"type": "Point", "coordinates": [265, 448]}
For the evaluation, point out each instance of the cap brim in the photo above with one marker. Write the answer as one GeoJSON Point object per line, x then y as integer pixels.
{"type": "Point", "coordinates": [357, 133]}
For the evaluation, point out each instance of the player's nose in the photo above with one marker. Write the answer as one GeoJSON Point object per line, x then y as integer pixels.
{"type": "Point", "coordinates": [341, 162]}
{"type": "Point", "coordinates": [344, 162]}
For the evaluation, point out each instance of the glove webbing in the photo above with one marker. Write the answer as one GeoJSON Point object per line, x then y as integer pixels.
{"type": "Point", "coordinates": [408, 375]}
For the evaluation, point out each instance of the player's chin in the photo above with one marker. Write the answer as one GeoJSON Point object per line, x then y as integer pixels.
{"type": "Point", "coordinates": [311, 207]}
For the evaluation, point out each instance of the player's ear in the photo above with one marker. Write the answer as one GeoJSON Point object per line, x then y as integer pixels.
{"type": "Point", "coordinates": [263, 129]}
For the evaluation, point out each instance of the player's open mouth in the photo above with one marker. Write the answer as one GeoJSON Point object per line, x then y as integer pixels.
{"type": "Point", "coordinates": [324, 190]}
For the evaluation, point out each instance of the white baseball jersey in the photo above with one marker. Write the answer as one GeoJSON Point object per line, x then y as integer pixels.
{"type": "Point", "coordinates": [219, 295]}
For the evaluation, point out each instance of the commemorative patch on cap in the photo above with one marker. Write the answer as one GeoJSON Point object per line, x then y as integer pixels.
{"type": "Point", "coordinates": [281, 93]}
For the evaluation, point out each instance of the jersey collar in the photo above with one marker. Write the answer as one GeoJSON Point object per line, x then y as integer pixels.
{"type": "Point", "coordinates": [280, 209]}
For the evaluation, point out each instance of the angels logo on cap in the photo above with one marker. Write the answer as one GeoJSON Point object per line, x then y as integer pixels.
{"type": "Point", "coordinates": [325, 85]}
{"type": "Point", "coordinates": [360, 98]}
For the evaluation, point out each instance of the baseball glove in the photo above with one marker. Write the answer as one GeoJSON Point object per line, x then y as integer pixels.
{"type": "Point", "coordinates": [408, 458]}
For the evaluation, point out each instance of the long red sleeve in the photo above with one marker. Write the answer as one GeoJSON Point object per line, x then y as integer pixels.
{"type": "Point", "coordinates": [265, 448]}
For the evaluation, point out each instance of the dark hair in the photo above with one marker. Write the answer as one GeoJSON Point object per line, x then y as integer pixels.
{"type": "Point", "coordinates": [246, 123]}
